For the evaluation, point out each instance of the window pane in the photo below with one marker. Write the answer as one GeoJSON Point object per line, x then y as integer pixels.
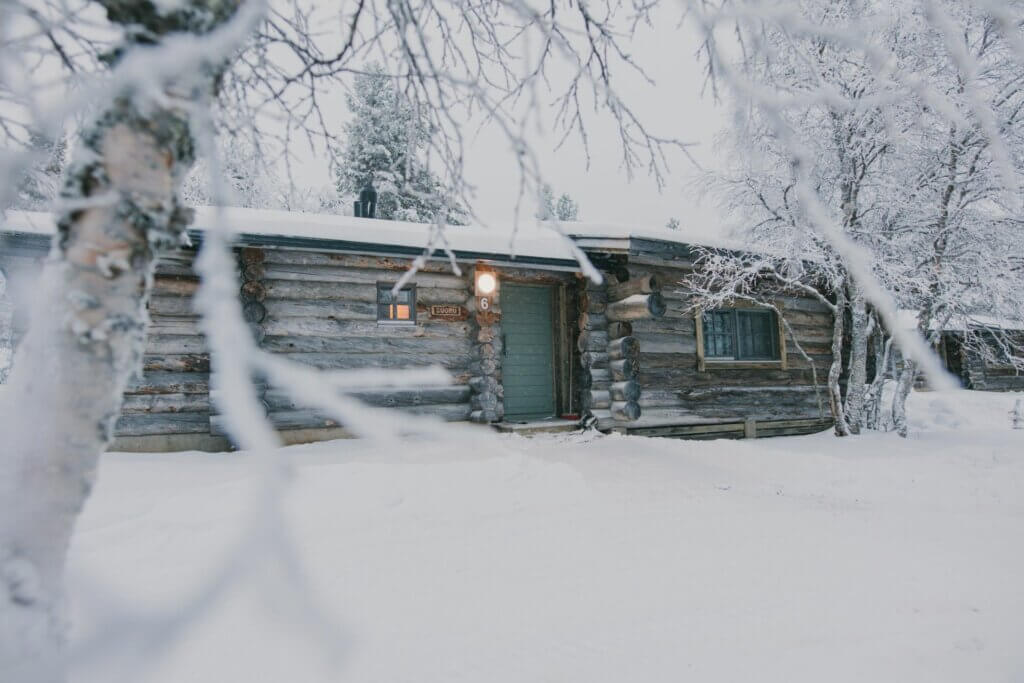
{"type": "Point", "coordinates": [757, 335]}
{"type": "Point", "coordinates": [401, 312]}
{"type": "Point", "coordinates": [718, 334]}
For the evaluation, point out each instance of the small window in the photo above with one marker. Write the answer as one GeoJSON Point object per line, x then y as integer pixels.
{"type": "Point", "coordinates": [400, 307]}
{"type": "Point", "coordinates": [740, 334]}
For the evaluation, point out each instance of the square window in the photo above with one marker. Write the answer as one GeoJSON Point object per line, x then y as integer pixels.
{"type": "Point", "coordinates": [740, 334]}
{"type": "Point", "coordinates": [399, 307]}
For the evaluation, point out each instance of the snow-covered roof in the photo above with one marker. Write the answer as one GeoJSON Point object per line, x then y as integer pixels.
{"type": "Point", "coordinates": [531, 243]}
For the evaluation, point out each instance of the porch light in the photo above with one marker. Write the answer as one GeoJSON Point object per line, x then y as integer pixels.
{"type": "Point", "coordinates": [486, 283]}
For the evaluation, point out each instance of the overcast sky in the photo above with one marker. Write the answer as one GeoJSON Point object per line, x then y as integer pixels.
{"type": "Point", "coordinates": [673, 107]}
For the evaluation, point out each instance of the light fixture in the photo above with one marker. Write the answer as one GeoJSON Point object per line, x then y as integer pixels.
{"type": "Point", "coordinates": [486, 283]}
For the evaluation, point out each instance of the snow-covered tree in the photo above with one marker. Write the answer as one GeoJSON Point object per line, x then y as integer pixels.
{"type": "Point", "coordinates": [566, 209]}
{"type": "Point", "coordinates": [151, 110]}
{"type": "Point", "coordinates": [385, 143]}
{"type": "Point", "coordinates": [563, 209]}
{"type": "Point", "coordinates": [39, 187]}
{"type": "Point", "coordinates": [870, 174]}
{"type": "Point", "coordinates": [251, 179]}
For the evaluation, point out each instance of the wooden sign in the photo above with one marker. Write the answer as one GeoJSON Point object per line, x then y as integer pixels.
{"type": "Point", "coordinates": [448, 313]}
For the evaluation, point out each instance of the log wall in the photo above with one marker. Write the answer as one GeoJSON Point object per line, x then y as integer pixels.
{"type": "Point", "coordinates": [674, 389]}
{"type": "Point", "coordinates": [321, 310]}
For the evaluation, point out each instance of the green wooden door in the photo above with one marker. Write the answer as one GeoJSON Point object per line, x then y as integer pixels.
{"type": "Point", "coordinates": [528, 370]}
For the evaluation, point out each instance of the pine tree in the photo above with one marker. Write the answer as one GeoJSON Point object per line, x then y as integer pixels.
{"type": "Point", "coordinates": [385, 139]}
{"type": "Point", "coordinates": [39, 187]}
{"type": "Point", "coordinates": [567, 209]}
{"type": "Point", "coordinates": [564, 209]}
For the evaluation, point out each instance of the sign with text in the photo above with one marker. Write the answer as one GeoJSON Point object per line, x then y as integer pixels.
{"type": "Point", "coordinates": [448, 313]}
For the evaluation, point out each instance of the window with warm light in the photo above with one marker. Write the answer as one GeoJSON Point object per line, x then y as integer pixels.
{"type": "Point", "coordinates": [397, 308]}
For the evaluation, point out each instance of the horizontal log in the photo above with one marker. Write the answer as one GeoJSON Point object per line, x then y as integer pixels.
{"type": "Point", "coordinates": [311, 419]}
{"type": "Point", "coordinates": [617, 330]}
{"type": "Point", "coordinates": [170, 383]}
{"type": "Point", "coordinates": [670, 323]}
{"type": "Point", "coordinates": [623, 347]}
{"type": "Point", "coordinates": [643, 284]}
{"type": "Point", "coordinates": [349, 361]}
{"type": "Point", "coordinates": [166, 403]}
{"type": "Point", "coordinates": [677, 377]}
{"type": "Point", "coordinates": [174, 285]}
{"type": "Point", "coordinates": [181, 325]}
{"type": "Point", "coordinates": [162, 423]}
{"type": "Point", "coordinates": [295, 257]}
{"type": "Point", "coordinates": [624, 369]}
{"type": "Point", "coordinates": [592, 340]}
{"type": "Point", "coordinates": [190, 363]}
{"type": "Point", "coordinates": [333, 327]}
{"type": "Point", "coordinates": [667, 344]}
{"type": "Point", "coordinates": [625, 410]}
{"type": "Point", "coordinates": [636, 307]}
{"type": "Point", "coordinates": [625, 391]}
{"type": "Point", "coordinates": [340, 310]}
{"type": "Point", "coordinates": [596, 398]}
{"type": "Point", "coordinates": [312, 273]}
{"type": "Point", "coordinates": [171, 305]}
{"type": "Point", "coordinates": [365, 292]}
{"type": "Point", "coordinates": [410, 346]}
{"type": "Point", "coordinates": [277, 399]}
{"type": "Point", "coordinates": [174, 268]}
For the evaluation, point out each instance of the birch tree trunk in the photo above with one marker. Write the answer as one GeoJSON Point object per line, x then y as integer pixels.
{"type": "Point", "coordinates": [856, 380]}
{"type": "Point", "coordinates": [899, 400]}
{"type": "Point", "coordinates": [835, 395]}
{"type": "Point", "coordinates": [87, 334]}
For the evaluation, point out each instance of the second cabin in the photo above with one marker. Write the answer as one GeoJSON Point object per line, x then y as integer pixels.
{"type": "Point", "coordinates": [527, 338]}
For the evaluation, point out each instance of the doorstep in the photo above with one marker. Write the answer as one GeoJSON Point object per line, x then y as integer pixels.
{"type": "Point", "coordinates": [548, 425]}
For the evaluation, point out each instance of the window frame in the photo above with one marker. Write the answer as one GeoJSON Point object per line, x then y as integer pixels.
{"type": "Point", "coordinates": [778, 340]}
{"type": "Point", "coordinates": [381, 306]}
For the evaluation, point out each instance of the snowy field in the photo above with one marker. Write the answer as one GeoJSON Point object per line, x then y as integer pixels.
{"type": "Point", "coordinates": [582, 558]}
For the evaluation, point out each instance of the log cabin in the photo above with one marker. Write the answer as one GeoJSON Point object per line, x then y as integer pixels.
{"type": "Point", "coordinates": [529, 342]}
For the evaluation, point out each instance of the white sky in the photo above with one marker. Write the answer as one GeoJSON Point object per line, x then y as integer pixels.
{"type": "Point", "coordinates": [672, 108]}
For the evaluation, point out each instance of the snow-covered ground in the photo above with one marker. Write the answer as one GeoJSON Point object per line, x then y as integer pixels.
{"type": "Point", "coordinates": [581, 558]}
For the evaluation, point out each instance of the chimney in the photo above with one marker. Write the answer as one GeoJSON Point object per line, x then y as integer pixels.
{"type": "Point", "coordinates": [366, 206]}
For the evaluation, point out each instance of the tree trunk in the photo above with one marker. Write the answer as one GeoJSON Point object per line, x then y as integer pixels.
{"type": "Point", "coordinates": [899, 400]}
{"type": "Point", "coordinates": [836, 369]}
{"type": "Point", "coordinates": [856, 380]}
{"type": "Point", "coordinates": [873, 400]}
{"type": "Point", "coordinates": [86, 339]}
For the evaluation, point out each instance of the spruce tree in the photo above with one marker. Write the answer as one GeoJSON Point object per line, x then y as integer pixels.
{"type": "Point", "coordinates": [385, 139]}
